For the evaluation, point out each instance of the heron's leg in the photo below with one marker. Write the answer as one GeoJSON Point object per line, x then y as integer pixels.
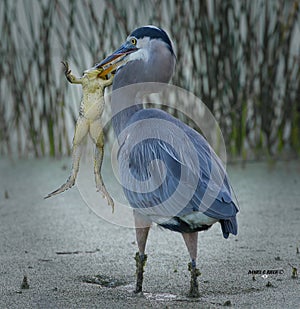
{"type": "Point", "coordinates": [142, 227]}
{"type": "Point", "coordinates": [96, 133]}
{"type": "Point", "coordinates": [70, 77]}
{"type": "Point", "coordinates": [191, 240]}
{"type": "Point", "coordinates": [81, 130]}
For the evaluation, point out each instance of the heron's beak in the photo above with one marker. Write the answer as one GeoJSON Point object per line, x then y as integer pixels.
{"type": "Point", "coordinates": [116, 59]}
{"type": "Point", "coordinates": [94, 71]}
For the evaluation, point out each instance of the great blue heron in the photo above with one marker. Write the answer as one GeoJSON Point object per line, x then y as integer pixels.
{"type": "Point", "coordinates": [148, 56]}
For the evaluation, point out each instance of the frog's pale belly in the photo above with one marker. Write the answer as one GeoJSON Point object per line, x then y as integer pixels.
{"type": "Point", "coordinates": [92, 106]}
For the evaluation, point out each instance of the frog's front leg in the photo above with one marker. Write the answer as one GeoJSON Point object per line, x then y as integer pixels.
{"type": "Point", "coordinates": [96, 133]}
{"type": "Point", "coordinates": [82, 128]}
{"type": "Point", "coordinates": [68, 73]}
{"type": "Point", "coordinates": [108, 82]}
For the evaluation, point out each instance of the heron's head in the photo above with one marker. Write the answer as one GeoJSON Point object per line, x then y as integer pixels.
{"type": "Point", "coordinates": [146, 56]}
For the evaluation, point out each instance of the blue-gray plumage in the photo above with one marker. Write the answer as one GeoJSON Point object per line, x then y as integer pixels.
{"type": "Point", "coordinates": [145, 152]}
{"type": "Point", "coordinates": [169, 173]}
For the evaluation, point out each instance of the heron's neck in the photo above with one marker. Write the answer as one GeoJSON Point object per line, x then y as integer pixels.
{"type": "Point", "coordinates": [121, 119]}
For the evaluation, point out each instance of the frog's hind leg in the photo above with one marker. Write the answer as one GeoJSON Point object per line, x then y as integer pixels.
{"type": "Point", "coordinates": [96, 133]}
{"type": "Point", "coordinates": [82, 128]}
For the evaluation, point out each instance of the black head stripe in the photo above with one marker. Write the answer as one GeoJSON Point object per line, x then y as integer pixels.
{"type": "Point", "coordinates": [152, 33]}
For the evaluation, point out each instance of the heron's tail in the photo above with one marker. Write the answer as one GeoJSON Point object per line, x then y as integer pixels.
{"type": "Point", "coordinates": [229, 226]}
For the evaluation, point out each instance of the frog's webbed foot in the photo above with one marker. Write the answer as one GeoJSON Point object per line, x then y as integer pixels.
{"type": "Point", "coordinates": [101, 188]}
{"type": "Point", "coordinates": [67, 185]}
{"type": "Point", "coordinates": [80, 133]}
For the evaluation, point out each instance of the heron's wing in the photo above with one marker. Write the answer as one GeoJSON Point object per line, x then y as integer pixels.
{"type": "Point", "coordinates": [167, 169]}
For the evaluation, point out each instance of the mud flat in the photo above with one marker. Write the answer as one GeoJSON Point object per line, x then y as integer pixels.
{"type": "Point", "coordinates": [72, 258]}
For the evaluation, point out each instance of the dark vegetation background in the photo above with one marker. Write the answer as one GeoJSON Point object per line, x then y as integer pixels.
{"type": "Point", "coordinates": [242, 58]}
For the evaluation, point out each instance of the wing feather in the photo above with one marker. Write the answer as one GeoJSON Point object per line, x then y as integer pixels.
{"type": "Point", "coordinates": [172, 171]}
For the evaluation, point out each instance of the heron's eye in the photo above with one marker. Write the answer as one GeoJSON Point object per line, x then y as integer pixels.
{"type": "Point", "coordinates": [133, 41]}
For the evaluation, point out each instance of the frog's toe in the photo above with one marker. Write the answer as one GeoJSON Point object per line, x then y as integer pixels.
{"type": "Point", "coordinates": [67, 185]}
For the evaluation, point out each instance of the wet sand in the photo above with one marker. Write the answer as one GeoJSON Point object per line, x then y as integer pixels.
{"type": "Point", "coordinates": [74, 259]}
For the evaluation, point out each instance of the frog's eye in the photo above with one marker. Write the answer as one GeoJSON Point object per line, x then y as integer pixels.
{"type": "Point", "coordinates": [133, 41]}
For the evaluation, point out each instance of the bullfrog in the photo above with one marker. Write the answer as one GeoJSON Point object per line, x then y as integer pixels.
{"type": "Point", "coordinates": [88, 123]}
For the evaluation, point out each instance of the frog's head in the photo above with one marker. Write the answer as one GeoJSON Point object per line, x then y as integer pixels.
{"type": "Point", "coordinates": [94, 73]}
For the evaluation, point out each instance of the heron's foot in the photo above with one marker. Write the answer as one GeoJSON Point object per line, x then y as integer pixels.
{"type": "Point", "coordinates": [67, 185]}
{"type": "Point", "coordinates": [140, 261]}
{"type": "Point", "coordinates": [101, 188]}
{"type": "Point", "coordinates": [194, 288]}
